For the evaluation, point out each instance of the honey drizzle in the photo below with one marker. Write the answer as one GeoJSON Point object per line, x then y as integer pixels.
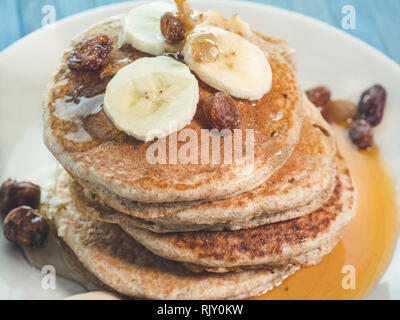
{"type": "Point", "coordinates": [368, 242]}
{"type": "Point", "coordinates": [185, 12]}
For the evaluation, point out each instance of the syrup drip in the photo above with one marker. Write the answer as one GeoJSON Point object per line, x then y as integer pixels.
{"type": "Point", "coordinates": [185, 13]}
{"type": "Point", "coordinates": [368, 242]}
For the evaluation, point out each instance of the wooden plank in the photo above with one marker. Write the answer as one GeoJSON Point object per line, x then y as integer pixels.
{"type": "Point", "coordinates": [365, 21]}
{"type": "Point", "coordinates": [30, 14]}
{"type": "Point", "coordinates": [285, 4]}
{"type": "Point", "coordinates": [9, 18]}
{"type": "Point", "coordinates": [71, 7]}
{"type": "Point", "coordinates": [386, 16]}
{"type": "Point", "coordinates": [107, 2]}
{"type": "Point", "coordinates": [317, 9]}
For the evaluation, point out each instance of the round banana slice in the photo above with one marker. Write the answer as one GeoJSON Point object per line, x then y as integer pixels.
{"type": "Point", "coordinates": [228, 62]}
{"type": "Point", "coordinates": [152, 97]}
{"type": "Point", "coordinates": [141, 28]}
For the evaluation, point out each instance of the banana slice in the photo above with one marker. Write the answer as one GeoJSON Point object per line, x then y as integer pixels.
{"type": "Point", "coordinates": [152, 97]}
{"type": "Point", "coordinates": [141, 28]}
{"type": "Point", "coordinates": [228, 62]}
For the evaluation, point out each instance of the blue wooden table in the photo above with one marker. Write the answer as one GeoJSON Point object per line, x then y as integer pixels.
{"type": "Point", "coordinates": [377, 21]}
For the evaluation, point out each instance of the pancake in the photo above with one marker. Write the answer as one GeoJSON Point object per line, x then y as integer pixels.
{"type": "Point", "coordinates": [301, 186]}
{"type": "Point", "coordinates": [120, 263]}
{"type": "Point", "coordinates": [266, 245]}
{"type": "Point", "coordinates": [86, 203]}
{"type": "Point", "coordinates": [86, 143]}
{"type": "Point", "coordinates": [308, 259]}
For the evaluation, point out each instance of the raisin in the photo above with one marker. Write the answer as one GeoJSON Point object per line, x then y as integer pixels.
{"type": "Point", "coordinates": [14, 194]}
{"type": "Point", "coordinates": [220, 112]}
{"type": "Point", "coordinates": [372, 105]}
{"type": "Point", "coordinates": [339, 111]}
{"type": "Point", "coordinates": [319, 96]}
{"type": "Point", "coordinates": [172, 28]}
{"type": "Point", "coordinates": [90, 55]}
{"type": "Point", "coordinates": [26, 227]}
{"type": "Point", "coordinates": [361, 134]}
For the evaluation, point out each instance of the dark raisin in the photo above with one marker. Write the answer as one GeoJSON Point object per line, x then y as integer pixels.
{"type": "Point", "coordinates": [372, 105]}
{"type": "Point", "coordinates": [14, 194]}
{"type": "Point", "coordinates": [361, 134]}
{"type": "Point", "coordinates": [172, 28]}
{"type": "Point", "coordinates": [90, 55]}
{"type": "Point", "coordinates": [319, 96]}
{"type": "Point", "coordinates": [220, 112]}
{"type": "Point", "coordinates": [26, 227]}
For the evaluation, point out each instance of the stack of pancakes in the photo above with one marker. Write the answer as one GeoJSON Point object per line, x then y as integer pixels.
{"type": "Point", "coordinates": [195, 231]}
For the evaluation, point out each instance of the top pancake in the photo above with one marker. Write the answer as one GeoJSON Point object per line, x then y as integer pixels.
{"type": "Point", "coordinates": [86, 143]}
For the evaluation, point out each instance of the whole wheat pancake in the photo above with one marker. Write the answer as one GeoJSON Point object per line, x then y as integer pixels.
{"type": "Point", "coordinates": [86, 143]}
{"type": "Point", "coordinates": [301, 186]}
{"type": "Point", "coordinates": [308, 259]}
{"type": "Point", "coordinates": [270, 244]}
{"type": "Point", "coordinates": [120, 263]}
{"type": "Point", "coordinates": [89, 204]}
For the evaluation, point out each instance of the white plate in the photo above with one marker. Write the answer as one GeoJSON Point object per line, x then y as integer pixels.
{"type": "Point", "coordinates": [326, 56]}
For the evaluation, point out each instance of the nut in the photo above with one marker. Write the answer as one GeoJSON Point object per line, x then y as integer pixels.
{"type": "Point", "coordinates": [14, 194]}
{"type": "Point", "coordinates": [372, 105]}
{"type": "Point", "coordinates": [339, 111]}
{"type": "Point", "coordinates": [90, 54]}
{"type": "Point", "coordinates": [319, 96]}
{"type": "Point", "coordinates": [220, 112]}
{"type": "Point", "coordinates": [361, 134]}
{"type": "Point", "coordinates": [26, 227]}
{"type": "Point", "coordinates": [172, 28]}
